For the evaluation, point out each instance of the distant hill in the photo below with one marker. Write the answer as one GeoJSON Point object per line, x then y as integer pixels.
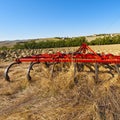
{"type": "Point", "coordinates": [93, 37]}
{"type": "Point", "coordinates": [9, 44]}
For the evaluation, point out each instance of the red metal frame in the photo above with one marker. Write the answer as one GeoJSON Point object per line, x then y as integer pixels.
{"type": "Point", "coordinates": [84, 55]}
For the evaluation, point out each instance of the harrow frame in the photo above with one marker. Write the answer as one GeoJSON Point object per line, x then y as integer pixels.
{"type": "Point", "coordinates": [83, 55]}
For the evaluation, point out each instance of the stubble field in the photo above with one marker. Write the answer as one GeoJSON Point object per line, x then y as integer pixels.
{"type": "Point", "coordinates": [60, 98]}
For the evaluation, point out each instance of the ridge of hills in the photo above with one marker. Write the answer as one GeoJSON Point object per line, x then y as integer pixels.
{"type": "Point", "coordinates": [10, 43]}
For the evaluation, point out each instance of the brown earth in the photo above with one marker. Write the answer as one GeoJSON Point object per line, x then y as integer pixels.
{"type": "Point", "coordinates": [59, 98]}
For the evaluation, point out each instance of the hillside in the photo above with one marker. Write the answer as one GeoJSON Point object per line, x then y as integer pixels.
{"type": "Point", "coordinates": [11, 43]}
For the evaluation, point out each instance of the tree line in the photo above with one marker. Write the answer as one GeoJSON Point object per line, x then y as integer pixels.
{"type": "Point", "coordinates": [106, 40]}
{"type": "Point", "coordinates": [66, 42]}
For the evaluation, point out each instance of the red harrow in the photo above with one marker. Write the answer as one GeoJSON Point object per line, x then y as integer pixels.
{"type": "Point", "coordinates": [84, 56]}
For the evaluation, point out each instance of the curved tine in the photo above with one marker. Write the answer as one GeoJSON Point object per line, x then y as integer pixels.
{"type": "Point", "coordinates": [117, 69]}
{"type": "Point", "coordinates": [80, 67]}
{"type": "Point", "coordinates": [74, 75]}
{"type": "Point", "coordinates": [52, 70]}
{"type": "Point", "coordinates": [96, 72]}
{"type": "Point", "coordinates": [90, 67]}
{"type": "Point", "coordinates": [7, 70]}
{"type": "Point", "coordinates": [30, 68]}
{"type": "Point", "coordinates": [47, 64]}
{"type": "Point", "coordinates": [110, 69]}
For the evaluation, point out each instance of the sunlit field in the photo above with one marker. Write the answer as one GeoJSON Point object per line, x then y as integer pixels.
{"type": "Point", "coordinates": [60, 97]}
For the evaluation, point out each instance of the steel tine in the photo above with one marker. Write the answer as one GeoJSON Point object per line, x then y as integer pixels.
{"type": "Point", "coordinates": [30, 68]}
{"type": "Point", "coordinates": [7, 70]}
{"type": "Point", "coordinates": [90, 67]}
{"type": "Point", "coordinates": [80, 67]}
{"type": "Point", "coordinates": [96, 72]}
{"type": "Point", "coordinates": [74, 75]}
{"type": "Point", "coordinates": [110, 69]}
{"type": "Point", "coordinates": [52, 70]}
{"type": "Point", "coordinates": [118, 70]}
{"type": "Point", "coordinates": [75, 66]}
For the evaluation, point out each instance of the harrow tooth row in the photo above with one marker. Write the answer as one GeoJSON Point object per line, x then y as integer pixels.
{"type": "Point", "coordinates": [83, 57]}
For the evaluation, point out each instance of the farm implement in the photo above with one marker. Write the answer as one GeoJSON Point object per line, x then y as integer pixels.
{"type": "Point", "coordinates": [83, 57]}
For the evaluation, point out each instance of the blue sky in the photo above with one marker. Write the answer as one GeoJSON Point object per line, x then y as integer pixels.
{"type": "Point", "coordinates": [23, 19]}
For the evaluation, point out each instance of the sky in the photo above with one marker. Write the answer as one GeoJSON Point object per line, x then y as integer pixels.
{"type": "Point", "coordinates": [25, 19]}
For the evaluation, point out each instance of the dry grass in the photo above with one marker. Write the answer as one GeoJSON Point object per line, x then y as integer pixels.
{"type": "Point", "coordinates": [114, 49]}
{"type": "Point", "coordinates": [58, 98]}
